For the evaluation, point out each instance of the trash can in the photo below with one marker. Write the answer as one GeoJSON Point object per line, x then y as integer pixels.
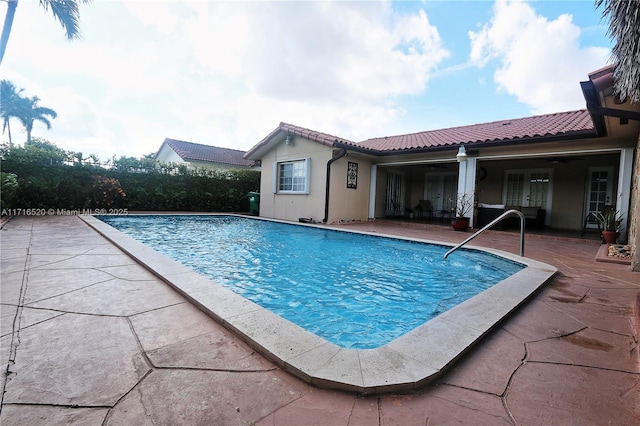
{"type": "Point", "coordinates": [254, 203]}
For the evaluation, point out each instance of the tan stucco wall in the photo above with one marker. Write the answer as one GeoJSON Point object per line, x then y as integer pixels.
{"type": "Point", "coordinates": [347, 204]}
{"type": "Point", "coordinates": [294, 206]}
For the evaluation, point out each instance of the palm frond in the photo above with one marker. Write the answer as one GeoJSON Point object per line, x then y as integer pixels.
{"type": "Point", "coordinates": [624, 29]}
{"type": "Point", "coordinates": [67, 13]}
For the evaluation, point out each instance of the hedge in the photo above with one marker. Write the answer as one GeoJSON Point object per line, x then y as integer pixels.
{"type": "Point", "coordinates": [165, 188]}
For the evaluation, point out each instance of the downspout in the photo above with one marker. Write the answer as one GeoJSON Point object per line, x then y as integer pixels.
{"type": "Point", "coordinates": [342, 153]}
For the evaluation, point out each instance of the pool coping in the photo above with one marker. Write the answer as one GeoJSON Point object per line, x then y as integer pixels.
{"type": "Point", "coordinates": [405, 364]}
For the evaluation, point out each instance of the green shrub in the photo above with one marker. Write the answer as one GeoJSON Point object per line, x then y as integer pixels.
{"type": "Point", "coordinates": [157, 188]}
{"type": "Point", "coordinates": [8, 188]}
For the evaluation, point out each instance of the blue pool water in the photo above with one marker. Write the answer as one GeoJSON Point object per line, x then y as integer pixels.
{"type": "Point", "coordinates": [357, 291]}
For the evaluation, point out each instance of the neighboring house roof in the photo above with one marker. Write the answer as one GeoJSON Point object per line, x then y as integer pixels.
{"type": "Point", "coordinates": [190, 151]}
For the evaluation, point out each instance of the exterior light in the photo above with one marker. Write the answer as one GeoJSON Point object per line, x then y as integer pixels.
{"type": "Point", "coordinates": [462, 154]}
{"type": "Point", "coordinates": [289, 140]}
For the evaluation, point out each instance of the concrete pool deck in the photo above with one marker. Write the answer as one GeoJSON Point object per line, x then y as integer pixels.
{"type": "Point", "coordinates": [405, 364]}
{"type": "Point", "coordinates": [90, 336]}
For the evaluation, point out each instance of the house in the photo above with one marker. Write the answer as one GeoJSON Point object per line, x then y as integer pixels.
{"type": "Point", "coordinates": [559, 167]}
{"type": "Point", "coordinates": [198, 155]}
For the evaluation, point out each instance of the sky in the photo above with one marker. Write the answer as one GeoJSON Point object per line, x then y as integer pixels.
{"type": "Point", "coordinates": [228, 73]}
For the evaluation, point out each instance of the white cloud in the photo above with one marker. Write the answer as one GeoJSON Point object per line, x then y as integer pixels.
{"type": "Point", "coordinates": [329, 66]}
{"type": "Point", "coordinates": [226, 73]}
{"type": "Point", "coordinates": [220, 73]}
{"type": "Point", "coordinates": [541, 60]}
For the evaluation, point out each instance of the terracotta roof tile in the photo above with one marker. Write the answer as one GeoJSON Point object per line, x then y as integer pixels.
{"type": "Point", "coordinates": [548, 126]}
{"type": "Point", "coordinates": [540, 126]}
{"type": "Point", "coordinates": [189, 151]}
{"type": "Point", "coordinates": [323, 138]}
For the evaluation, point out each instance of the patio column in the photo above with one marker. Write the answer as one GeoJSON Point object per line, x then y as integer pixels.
{"type": "Point", "coordinates": [624, 189]}
{"type": "Point", "coordinates": [372, 191]}
{"type": "Point", "coordinates": [467, 181]}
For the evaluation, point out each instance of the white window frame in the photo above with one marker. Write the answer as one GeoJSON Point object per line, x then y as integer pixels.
{"type": "Point", "coordinates": [305, 170]}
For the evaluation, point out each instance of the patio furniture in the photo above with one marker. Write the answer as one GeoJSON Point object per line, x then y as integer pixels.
{"type": "Point", "coordinates": [425, 208]}
{"type": "Point", "coordinates": [534, 216]}
{"type": "Point", "coordinates": [488, 213]}
{"type": "Point", "coordinates": [591, 219]}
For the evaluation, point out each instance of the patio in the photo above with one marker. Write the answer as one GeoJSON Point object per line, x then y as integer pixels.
{"type": "Point", "coordinates": [89, 336]}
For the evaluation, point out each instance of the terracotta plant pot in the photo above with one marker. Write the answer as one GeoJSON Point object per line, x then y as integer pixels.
{"type": "Point", "coordinates": [460, 223]}
{"type": "Point", "coordinates": [610, 237]}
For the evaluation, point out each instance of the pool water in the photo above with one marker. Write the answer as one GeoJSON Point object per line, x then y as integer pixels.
{"type": "Point", "coordinates": [356, 291]}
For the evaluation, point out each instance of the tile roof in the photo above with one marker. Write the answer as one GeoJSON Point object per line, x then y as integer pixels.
{"type": "Point", "coordinates": [312, 135]}
{"type": "Point", "coordinates": [323, 138]}
{"type": "Point", "coordinates": [562, 125]}
{"type": "Point", "coordinates": [189, 151]}
{"type": "Point", "coordinates": [577, 123]}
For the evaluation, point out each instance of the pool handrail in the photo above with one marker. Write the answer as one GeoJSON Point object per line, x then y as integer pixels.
{"type": "Point", "coordinates": [490, 224]}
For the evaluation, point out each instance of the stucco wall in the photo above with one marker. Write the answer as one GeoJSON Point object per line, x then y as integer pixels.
{"type": "Point", "coordinates": [294, 206]}
{"type": "Point", "coordinates": [349, 203]}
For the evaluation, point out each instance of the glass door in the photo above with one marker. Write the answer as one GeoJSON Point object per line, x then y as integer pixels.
{"type": "Point", "coordinates": [441, 189]}
{"type": "Point", "coordinates": [528, 188]}
{"type": "Point", "coordinates": [599, 191]}
{"type": "Point", "coordinates": [394, 201]}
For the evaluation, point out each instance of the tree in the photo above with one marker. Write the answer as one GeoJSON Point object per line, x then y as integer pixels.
{"type": "Point", "coordinates": [10, 104]}
{"type": "Point", "coordinates": [39, 151]}
{"type": "Point", "coordinates": [30, 111]}
{"type": "Point", "coordinates": [66, 12]}
{"type": "Point", "coordinates": [24, 108]}
{"type": "Point", "coordinates": [624, 28]}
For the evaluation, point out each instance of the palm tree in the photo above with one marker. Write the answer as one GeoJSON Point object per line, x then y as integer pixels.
{"type": "Point", "coordinates": [11, 101]}
{"type": "Point", "coordinates": [624, 28]}
{"type": "Point", "coordinates": [66, 12]}
{"type": "Point", "coordinates": [30, 112]}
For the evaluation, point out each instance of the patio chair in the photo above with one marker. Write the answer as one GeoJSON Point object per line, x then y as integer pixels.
{"type": "Point", "coordinates": [591, 219]}
{"type": "Point", "coordinates": [426, 208]}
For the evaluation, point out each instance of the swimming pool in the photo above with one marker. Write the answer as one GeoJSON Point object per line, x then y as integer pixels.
{"type": "Point", "coordinates": [405, 364]}
{"type": "Point", "coordinates": [357, 291]}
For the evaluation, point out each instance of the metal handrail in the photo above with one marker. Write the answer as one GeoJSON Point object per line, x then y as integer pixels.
{"type": "Point", "coordinates": [493, 222]}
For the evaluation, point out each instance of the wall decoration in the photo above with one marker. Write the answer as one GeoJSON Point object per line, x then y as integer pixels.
{"type": "Point", "coordinates": [352, 175]}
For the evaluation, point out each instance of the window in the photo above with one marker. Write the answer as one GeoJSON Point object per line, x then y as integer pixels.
{"type": "Point", "coordinates": [292, 176]}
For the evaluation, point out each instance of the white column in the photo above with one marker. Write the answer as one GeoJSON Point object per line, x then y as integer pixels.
{"type": "Point", "coordinates": [624, 189]}
{"type": "Point", "coordinates": [372, 191]}
{"type": "Point", "coordinates": [467, 181]}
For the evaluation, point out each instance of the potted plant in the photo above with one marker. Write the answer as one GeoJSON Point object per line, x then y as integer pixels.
{"type": "Point", "coordinates": [610, 222]}
{"type": "Point", "coordinates": [460, 221]}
